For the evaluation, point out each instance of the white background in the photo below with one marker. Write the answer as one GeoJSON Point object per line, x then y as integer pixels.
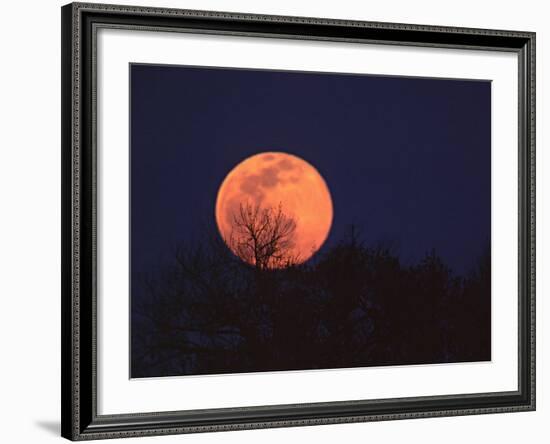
{"type": "Point", "coordinates": [30, 233]}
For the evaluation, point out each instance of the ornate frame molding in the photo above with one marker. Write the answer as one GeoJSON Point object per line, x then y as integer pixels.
{"type": "Point", "coordinates": [80, 22]}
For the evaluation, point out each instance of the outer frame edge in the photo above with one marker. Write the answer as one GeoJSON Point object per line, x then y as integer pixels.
{"type": "Point", "coordinates": [231, 15]}
{"type": "Point", "coordinates": [67, 357]}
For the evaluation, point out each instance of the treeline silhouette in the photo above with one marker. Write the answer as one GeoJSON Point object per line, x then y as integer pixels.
{"type": "Point", "coordinates": [354, 306]}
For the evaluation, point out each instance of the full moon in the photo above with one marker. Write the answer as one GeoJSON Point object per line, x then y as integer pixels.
{"type": "Point", "coordinates": [282, 184]}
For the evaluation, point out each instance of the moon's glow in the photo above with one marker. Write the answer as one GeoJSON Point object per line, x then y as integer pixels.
{"type": "Point", "coordinates": [271, 179]}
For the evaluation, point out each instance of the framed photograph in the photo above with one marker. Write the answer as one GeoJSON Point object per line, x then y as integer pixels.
{"type": "Point", "coordinates": [279, 221]}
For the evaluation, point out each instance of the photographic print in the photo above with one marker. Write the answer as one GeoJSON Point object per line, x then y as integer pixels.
{"type": "Point", "coordinates": [288, 220]}
{"type": "Point", "coordinates": [274, 221]}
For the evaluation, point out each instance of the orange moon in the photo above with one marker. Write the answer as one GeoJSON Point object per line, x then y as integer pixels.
{"type": "Point", "coordinates": [273, 179]}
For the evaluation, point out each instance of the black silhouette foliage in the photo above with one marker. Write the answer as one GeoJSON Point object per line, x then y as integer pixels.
{"type": "Point", "coordinates": [354, 306]}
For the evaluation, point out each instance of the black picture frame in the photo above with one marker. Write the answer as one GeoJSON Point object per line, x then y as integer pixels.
{"type": "Point", "coordinates": [79, 170]}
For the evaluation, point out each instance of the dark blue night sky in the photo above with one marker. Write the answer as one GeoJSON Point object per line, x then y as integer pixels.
{"type": "Point", "coordinates": [407, 160]}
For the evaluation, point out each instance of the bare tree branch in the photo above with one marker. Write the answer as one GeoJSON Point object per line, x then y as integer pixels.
{"type": "Point", "coordinates": [263, 236]}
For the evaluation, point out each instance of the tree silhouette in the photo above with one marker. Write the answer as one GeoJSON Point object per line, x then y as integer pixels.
{"type": "Point", "coordinates": [353, 306]}
{"type": "Point", "coordinates": [263, 236]}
